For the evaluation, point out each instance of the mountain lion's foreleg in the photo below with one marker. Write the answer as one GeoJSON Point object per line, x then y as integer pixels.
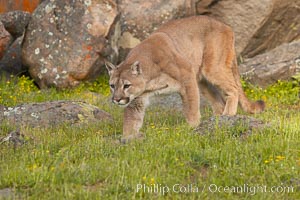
{"type": "Point", "coordinates": [133, 119]}
{"type": "Point", "coordinates": [190, 100]}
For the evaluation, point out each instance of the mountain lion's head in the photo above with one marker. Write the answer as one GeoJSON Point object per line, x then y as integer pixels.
{"type": "Point", "coordinates": [126, 82]}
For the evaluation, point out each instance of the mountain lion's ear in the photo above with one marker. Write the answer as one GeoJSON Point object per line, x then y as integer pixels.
{"type": "Point", "coordinates": [136, 68]}
{"type": "Point", "coordinates": [110, 67]}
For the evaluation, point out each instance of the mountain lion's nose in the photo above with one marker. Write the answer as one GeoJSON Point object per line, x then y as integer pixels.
{"type": "Point", "coordinates": [120, 101]}
{"type": "Point", "coordinates": [116, 99]}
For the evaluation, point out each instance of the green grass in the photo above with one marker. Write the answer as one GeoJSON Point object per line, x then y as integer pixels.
{"type": "Point", "coordinates": [86, 163]}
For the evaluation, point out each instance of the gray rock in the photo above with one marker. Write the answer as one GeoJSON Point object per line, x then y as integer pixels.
{"type": "Point", "coordinates": [281, 26]}
{"type": "Point", "coordinates": [6, 193]}
{"type": "Point", "coordinates": [64, 41]}
{"type": "Point", "coordinates": [173, 101]}
{"type": "Point", "coordinates": [259, 25]}
{"type": "Point", "coordinates": [239, 125]}
{"type": "Point", "coordinates": [15, 22]}
{"type": "Point", "coordinates": [53, 113]}
{"type": "Point", "coordinates": [5, 40]}
{"type": "Point", "coordinates": [280, 63]}
{"type": "Point", "coordinates": [11, 63]}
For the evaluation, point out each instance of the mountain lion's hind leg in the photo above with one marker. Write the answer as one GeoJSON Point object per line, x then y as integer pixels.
{"type": "Point", "coordinates": [214, 97]}
{"type": "Point", "coordinates": [217, 69]}
{"type": "Point", "coordinates": [227, 84]}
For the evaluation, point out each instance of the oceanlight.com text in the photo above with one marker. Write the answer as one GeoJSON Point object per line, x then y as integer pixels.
{"type": "Point", "coordinates": [212, 188]}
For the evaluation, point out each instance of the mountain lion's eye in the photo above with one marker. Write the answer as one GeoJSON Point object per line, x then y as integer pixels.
{"type": "Point", "coordinates": [127, 86]}
{"type": "Point", "coordinates": [112, 86]}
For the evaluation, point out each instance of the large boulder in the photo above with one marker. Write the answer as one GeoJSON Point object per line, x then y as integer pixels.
{"type": "Point", "coordinates": [140, 18]}
{"type": "Point", "coordinates": [280, 63]}
{"type": "Point", "coordinates": [282, 26]}
{"type": "Point", "coordinates": [53, 113]}
{"type": "Point", "coordinates": [259, 25]}
{"type": "Point", "coordinates": [244, 16]}
{"type": "Point", "coordinates": [5, 40]}
{"type": "Point", "coordinates": [64, 41]}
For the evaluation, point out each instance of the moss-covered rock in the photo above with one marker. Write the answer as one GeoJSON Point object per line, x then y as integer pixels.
{"type": "Point", "coordinates": [53, 113]}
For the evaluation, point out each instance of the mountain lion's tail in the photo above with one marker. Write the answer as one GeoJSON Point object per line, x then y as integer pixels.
{"type": "Point", "coordinates": [246, 104]}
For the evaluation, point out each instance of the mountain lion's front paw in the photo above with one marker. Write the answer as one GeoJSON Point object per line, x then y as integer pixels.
{"type": "Point", "coordinates": [129, 138]}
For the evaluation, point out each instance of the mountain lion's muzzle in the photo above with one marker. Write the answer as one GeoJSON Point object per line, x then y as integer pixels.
{"type": "Point", "coordinates": [120, 101]}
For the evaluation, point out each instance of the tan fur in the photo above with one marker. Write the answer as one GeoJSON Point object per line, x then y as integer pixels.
{"type": "Point", "coordinates": [182, 56]}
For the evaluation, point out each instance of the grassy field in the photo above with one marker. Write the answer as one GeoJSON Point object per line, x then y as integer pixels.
{"type": "Point", "coordinates": [173, 162]}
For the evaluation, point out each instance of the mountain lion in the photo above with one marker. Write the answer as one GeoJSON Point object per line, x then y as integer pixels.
{"type": "Point", "coordinates": [184, 56]}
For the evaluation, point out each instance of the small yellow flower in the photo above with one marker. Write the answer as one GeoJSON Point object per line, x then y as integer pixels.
{"type": "Point", "coordinates": [34, 166]}
{"type": "Point", "coordinates": [267, 161]}
{"type": "Point", "coordinates": [152, 181]}
{"type": "Point", "coordinates": [144, 178]}
{"type": "Point", "coordinates": [280, 157]}
{"type": "Point", "coordinates": [152, 125]}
